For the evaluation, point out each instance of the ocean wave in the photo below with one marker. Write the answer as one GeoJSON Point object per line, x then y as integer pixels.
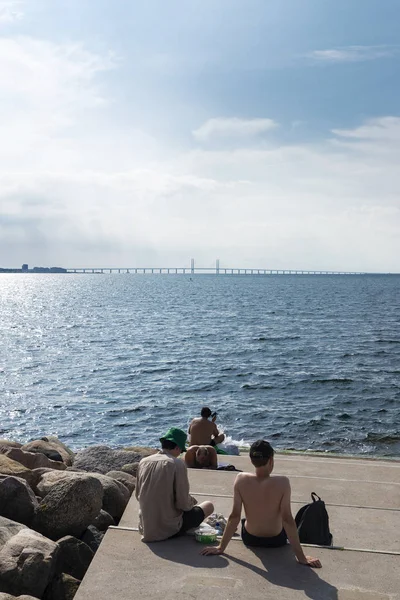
{"type": "Point", "coordinates": [254, 386]}
{"type": "Point", "coordinates": [333, 380]}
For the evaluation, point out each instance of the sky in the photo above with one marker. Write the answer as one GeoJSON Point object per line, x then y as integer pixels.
{"type": "Point", "coordinates": [264, 133]}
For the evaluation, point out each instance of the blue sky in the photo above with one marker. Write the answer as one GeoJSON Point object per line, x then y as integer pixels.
{"type": "Point", "coordinates": [265, 133]}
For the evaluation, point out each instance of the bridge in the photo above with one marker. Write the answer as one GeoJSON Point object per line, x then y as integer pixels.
{"type": "Point", "coordinates": [217, 270]}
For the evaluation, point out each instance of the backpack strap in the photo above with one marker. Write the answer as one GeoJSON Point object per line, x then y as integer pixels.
{"type": "Point", "coordinates": [314, 499]}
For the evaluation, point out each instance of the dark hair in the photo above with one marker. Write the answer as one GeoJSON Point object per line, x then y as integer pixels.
{"type": "Point", "coordinates": [205, 412]}
{"type": "Point", "coordinates": [260, 453]}
{"type": "Point", "coordinates": [168, 445]}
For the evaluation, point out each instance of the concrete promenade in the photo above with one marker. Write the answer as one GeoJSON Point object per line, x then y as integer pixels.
{"type": "Point", "coordinates": [363, 501]}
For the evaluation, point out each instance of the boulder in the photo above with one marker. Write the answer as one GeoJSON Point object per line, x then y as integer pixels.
{"type": "Point", "coordinates": [42, 447]}
{"type": "Point", "coordinates": [115, 495]}
{"type": "Point", "coordinates": [9, 444]}
{"type": "Point", "coordinates": [69, 507]}
{"type": "Point", "coordinates": [130, 468]}
{"type": "Point", "coordinates": [92, 537]}
{"type": "Point", "coordinates": [102, 459]}
{"type": "Point", "coordinates": [8, 529]}
{"type": "Point", "coordinates": [67, 454]}
{"type": "Point", "coordinates": [14, 468]}
{"type": "Point", "coordinates": [142, 450]}
{"type": "Point", "coordinates": [17, 500]}
{"type": "Point", "coordinates": [103, 521]}
{"type": "Point", "coordinates": [9, 597]}
{"type": "Point", "coordinates": [49, 478]}
{"type": "Point", "coordinates": [36, 476]}
{"type": "Point", "coordinates": [125, 478]}
{"type": "Point", "coordinates": [62, 587]}
{"type": "Point", "coordinates": [33, 460]}
{"type": "Point", "coordinates": [74, 557]}
{"type": "Point", "coordinates": [27, 563]}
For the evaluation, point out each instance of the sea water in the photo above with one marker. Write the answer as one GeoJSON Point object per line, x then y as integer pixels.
{"type": "Point", "coordinates": [307, 362]}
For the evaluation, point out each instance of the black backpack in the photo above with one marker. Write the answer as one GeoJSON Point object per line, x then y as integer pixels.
{"type": "Point", "coordinates": [313, 523]}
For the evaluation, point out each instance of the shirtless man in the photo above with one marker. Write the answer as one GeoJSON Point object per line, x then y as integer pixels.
{"type": "Point", "coordinates": [201, 457]}
{"type": "Point", "coordinates": [204, 432]}
{"type": "Point", "coordinates": [266, 500]}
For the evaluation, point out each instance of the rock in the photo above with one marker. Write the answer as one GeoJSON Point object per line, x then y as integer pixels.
{"type": "Point", "coordinates": [69, 507]}
{"type": "Point", "coordinates": [92, 537]}
{"type": "Point", "coordinates": [115, 495]}
{"type": "Point", "coordinates": [36, 476]}
{"type": "Point", "coordinates": [27, 563]}
{"type": "Point", "coordinates": [9, 444]}
{"type": "Point", "coordinates": [9, 597]}
{"type": "Point", "coordinates": [33, 460]}
{"type": "Point", "coordinates": [42, 447]}
{"type": "Point", "coordinates": [14, 468]}
{"type": "Point", "coordinates": [17, 500]}
{"type": "Point", "coordinates": [103, 521]}
{"type": "Point", "coordinates": [8, 529]}
{"type": "Point", "coordinates": [142, 450]}
{"type": "Point", "coordinates": [130, 468]}
{"type": "Point", "coordinates": [63, 587]}
{"type": "Point", "coordinates": [67, 454]}
{"type": "Point", "coordinates": [74, 557]}
{"type": "Point", "coordinates": [125, 478]}
{"type": "Point", "coordinates": [49, 478]}
{"type": "Point", "coordinates": [102, 459]}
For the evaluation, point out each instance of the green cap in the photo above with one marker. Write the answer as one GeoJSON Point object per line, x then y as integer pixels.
{"type": "Point", "coordinates": [177, 436]}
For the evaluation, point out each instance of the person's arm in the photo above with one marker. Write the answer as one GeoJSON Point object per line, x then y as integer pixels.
{"type": "Point", "coordinates": [231, 526]}
{"type": "Point", "coordinates": [215, 432]}
{"type": "Point", "coordinates": [190, 457]}
{"type": "Point", "coordinates": [290, 527]}
{"type": "Point", "coordinates": [183, 500]}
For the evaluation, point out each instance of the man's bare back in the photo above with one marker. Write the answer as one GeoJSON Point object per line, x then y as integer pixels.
{"type": "Point", "coordinates": [201, 432]}
{"type": "Point", "coordinates": [266, 501]}
{"type": "Point", "coordinates": [204, 432]}
{"type": "Point", "coordinates": [262, 501]}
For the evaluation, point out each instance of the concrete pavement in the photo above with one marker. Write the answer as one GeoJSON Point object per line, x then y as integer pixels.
{"type": "Point", "coordinates": [363, 500]}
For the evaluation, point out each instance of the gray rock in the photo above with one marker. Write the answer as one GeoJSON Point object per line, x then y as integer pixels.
{"type": "Point", "coordinates": [102, 459]}
{"type": "Point", "coordinates": [14, 468]}
{"type": "Point", "coordinates": [69, 507]}
{"type": "Point", "coordinates": [103, 521]}
{"type": "Point", "coordinates": [125, 478]}
{"type": "Point", "coordinates": [67, 454]}
{"type": "Point", "coordinates": [9, 597]}
{"type": "Point", "coordinates": [8, 529]}
{"type": "Point", "coordinates": [92, 537]}
{"type": "Point", "coordinates": [33, 460]}
{"type": "Point", "coordinates": [17, 500]}
{"type": "Point", "coordinates": [115, 495]}
{"type": "Point", "coordinates": [74, 557]}
{"type": "Point", "coordinates": [130, 468]}
{"type": "Point", "coordinates": [27, 563]}
{"type": "Point", "coordinates": [42, 447]}
{"type": "Point", "coordinates": [62, 587]}
{"type": "Point", "coordinates": [50, 478]}
{"type": "Point", "coordinates": [10, 444]}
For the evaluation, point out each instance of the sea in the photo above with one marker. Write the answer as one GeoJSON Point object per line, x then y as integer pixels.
{"type": "Point", "coordinates": [308, 362]}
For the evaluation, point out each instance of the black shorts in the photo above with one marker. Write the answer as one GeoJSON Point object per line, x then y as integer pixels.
{"type": "Point", "coordinates": [263, 542]}
{"type": "Point", "coordinates": [192, 518]}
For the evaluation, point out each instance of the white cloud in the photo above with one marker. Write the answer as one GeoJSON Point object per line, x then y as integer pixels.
{"type": "Point", "coordinates": [232, 128]}
{"type": "Point", "coordinates": [75, 189]}
{"type": "Point", "coordinates": [11, 10]}
{"type": "Point", "coordinates": [353, 54]}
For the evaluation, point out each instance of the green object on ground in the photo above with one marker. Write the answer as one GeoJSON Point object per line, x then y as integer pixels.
{"type": "Point", "coordinates": [220, 451]}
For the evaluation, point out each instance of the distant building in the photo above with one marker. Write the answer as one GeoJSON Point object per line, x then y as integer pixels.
{"type": "Point", "coordinates": [25, 268]}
